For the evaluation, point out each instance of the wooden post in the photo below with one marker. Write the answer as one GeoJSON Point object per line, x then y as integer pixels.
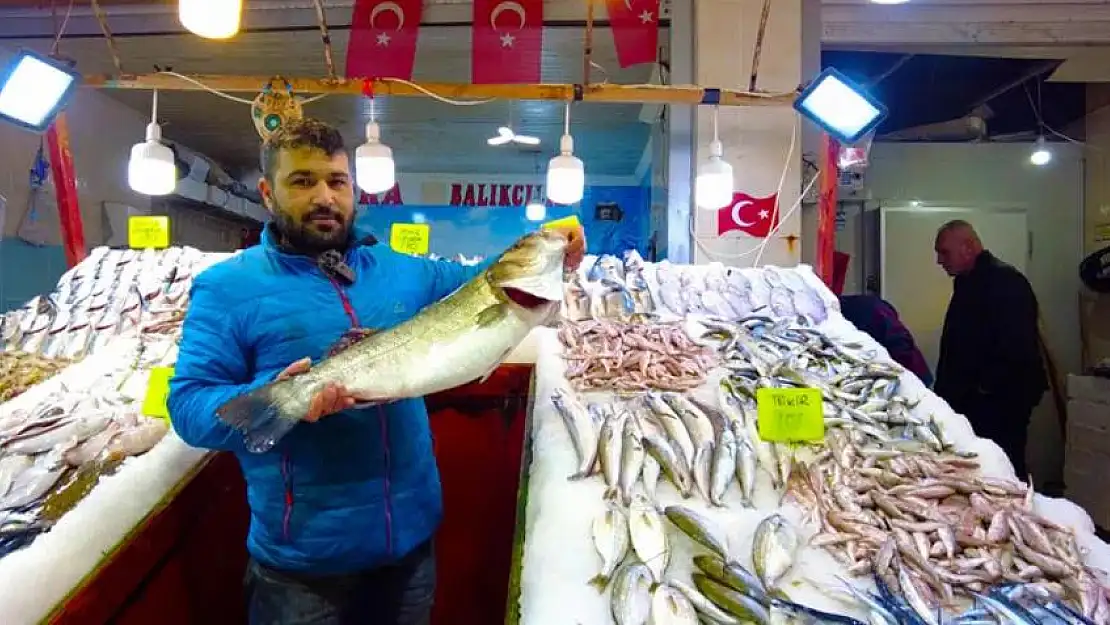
{"type": "Point", "coordinates": [826, 208]}
{"type": "Point", "coordinates": [65, 190]}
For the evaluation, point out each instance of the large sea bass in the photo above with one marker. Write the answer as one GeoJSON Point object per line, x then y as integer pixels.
{"type": "Point", "coordinates": [456, 340]}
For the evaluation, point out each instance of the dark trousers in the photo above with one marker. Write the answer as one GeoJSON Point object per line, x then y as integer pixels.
{"type": "Point", "coordinates": [398, 594]}
{"type": "Point", "coordinates": [1006, 422]}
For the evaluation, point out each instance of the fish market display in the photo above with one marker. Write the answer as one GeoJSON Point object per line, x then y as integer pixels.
{"type": "Point", "coordinates": [633, 356]}
{"type": "Point", "coordinates": [459, 339]}
{"type": "Point", "coordinates": [898, 515]}
{"type": "Point", "coordinates": [110, 294]}
{"type": "Point", "coordinates": [20, 371]}
{"type": "Point", "coordinates": [462, 259]}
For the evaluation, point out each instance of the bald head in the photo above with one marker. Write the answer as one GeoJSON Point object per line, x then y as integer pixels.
{"type": "Point", "coordinates": [957, 247]}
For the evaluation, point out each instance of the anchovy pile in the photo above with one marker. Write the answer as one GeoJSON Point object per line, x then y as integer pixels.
{"type": "Point", "coordinates": [611, 355]}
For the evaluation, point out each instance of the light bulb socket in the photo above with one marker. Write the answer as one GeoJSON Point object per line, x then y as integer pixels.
{"type": "Point", "coordinates": [716, 149]}
{"type": "Point", "coordinates": [373, 132]}
{"type": "Point", "coordinates": [566, 145]}
{"type": "Point", "coordinates": [153, 133]}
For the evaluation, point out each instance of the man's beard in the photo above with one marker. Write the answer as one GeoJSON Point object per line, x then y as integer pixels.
{"type": "Point", "coordinates": [296, 234]}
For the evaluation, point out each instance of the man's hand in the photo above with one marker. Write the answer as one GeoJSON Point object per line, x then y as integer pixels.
{"type": "Point", "coordinates": [576, 245]}
{"type": "Point", "coordinates": [334, 398]}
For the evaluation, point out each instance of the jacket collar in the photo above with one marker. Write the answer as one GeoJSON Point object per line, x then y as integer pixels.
{"type": "Point", "coordinates": [271, 240]}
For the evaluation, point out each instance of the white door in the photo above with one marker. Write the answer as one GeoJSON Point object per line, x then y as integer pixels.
{"type": "Point", "coordinates": [912, 281]}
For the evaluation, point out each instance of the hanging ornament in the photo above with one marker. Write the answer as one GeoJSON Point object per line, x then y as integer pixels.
{"type": "Point", "coordinates": [275, 107]}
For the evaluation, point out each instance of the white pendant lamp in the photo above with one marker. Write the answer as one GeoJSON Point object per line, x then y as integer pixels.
{"type": "Point", "coordinates": [211, 19]}
{"type": "Point", "coordinates": [713, 187]}
{"type": "Point", "coordinates": [375, 171]}
{"type": "Point", "coordinates": [566, 175]}
{"type": "Point", "coordinates": [1041, 155]}
{"type": "Point", "coordinates": [151, 170]}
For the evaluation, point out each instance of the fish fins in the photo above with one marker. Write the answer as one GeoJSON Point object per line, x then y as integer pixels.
{"type": "Point", "coordinates": [257, 417]}
{"type": "Point", "coordinates": [347, 339]}
{"type": "Point", "coordinates": [600, 582]}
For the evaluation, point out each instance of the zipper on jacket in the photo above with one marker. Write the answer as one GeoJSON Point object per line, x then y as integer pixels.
{"type": "Point", "coordinates": [287, 478]}
{"type": "Point", "coordinates": [382, 422]}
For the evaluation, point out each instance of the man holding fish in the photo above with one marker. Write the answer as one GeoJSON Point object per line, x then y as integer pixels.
{"type": "Point", "coordinates": [345, 504]}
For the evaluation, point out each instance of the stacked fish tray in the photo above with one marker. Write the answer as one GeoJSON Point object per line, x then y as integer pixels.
{"type": "Point", "coordinates": [75, 472]}
{"type": "Point", "coordinates": [651, 496]}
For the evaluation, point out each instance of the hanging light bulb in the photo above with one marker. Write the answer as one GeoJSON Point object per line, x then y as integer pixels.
{"type": "Point", "coordinates": [535, 211]}
{"type": "Point", "coordinates": [374, 168]}
{"type": "Point", "coordinates": [211, 19]}
{"type": "Point", "coordinates": [1041, 155]}
{"type": "Point", "coordinates": [151, 170]}
{"type": "Point", "coordinates": [713, 186]}
{"type": "Point", "coordinates": [566, 175]}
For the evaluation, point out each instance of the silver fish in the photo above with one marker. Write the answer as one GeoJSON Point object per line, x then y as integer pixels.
{"type": "Point", "coordinates": [669, 606]}
{"type": "Point", "coordinates": [650, 478]}
{"type": "Point", "coordinates": [703, 460]}
{"type": "Point", "coordinates": [671, 463]}
{"type": "Point", "coordinates": [609, 447]}
{"type": "Point", "coordinates": [632, 459]}
{"type": "Point", "coordinates": [649, 537]}
{"type": "Point", "coordinates": [723, 470]}
{"type": "Point", "coordinates": [675, 428]}
{"type": "Point", "coordinates": [697, 422]}
{"type": "Point", "coordinates": [456, 340]}
{"type": "Point", "coordinates": [774, 549]}
{"type": "Point", "coordinates": [699, 529]}
{"type": "Point", "coordinates": [611, 539]}
{"type": "Point", "coordinates": [706, 608]}
{"type": "Point", "coordinates": [630, 602]}
{"type": "Point", "coordinates": [745, 467]}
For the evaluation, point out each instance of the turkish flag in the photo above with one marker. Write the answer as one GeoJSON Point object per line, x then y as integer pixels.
{"type": "Point", "coordinates": [756, 216]}
{"type": "Point", "coordinates": [635, 26]}
{"type": "Point", "coordinates": [383, 38]}
{"type": "Point", "coordinates": [508, 40]}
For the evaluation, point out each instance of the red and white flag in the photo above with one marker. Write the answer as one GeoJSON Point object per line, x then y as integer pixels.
{"type": "Point", "coordinates": [383, 38]}
{"type": "Point", "coordinates": [754, 215]}
{"type": "Point", "coordinates": [508, 41]}
{"type": "Point", "coordinates": [635, 26]}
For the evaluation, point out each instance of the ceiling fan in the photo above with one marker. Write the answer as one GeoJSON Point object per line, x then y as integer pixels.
{"type": "Point", "coordinates": [505, 135]}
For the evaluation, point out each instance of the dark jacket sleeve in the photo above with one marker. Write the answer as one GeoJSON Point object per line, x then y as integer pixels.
{"type": "Point", "coordinates": [1013, 345]}
{"type": "Point", "coordinates": [211, 368]}
{"type": "Point", "coordinates": [899, 342]}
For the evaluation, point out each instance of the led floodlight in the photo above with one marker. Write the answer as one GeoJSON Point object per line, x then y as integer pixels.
{"type": "Point", "coordinates": [34, 89]}
{"type": "Point", "coordinates": [839, 106]}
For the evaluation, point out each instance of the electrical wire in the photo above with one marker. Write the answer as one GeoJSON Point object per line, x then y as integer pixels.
{"type": "Point", "coordinates": [1040, 119]}
{"type": "Point", "coordinates": [61, 29]}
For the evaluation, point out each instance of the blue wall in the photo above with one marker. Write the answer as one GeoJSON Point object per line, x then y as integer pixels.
{"type": "Point", "coordinates": [487, 230]}
{"type": "Point", "coordinates": [27, 270]}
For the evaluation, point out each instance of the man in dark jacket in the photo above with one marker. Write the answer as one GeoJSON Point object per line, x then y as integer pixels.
{"type": "Point", "coordinates": [990, 367]}
{"type": "Point", "coordinates": [343, 509]}
{"type": "Point", "coordinates": [877, 318]}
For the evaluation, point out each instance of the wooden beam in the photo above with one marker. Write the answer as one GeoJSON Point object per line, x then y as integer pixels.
{"type": "Point", "coordinates": [623, 94]}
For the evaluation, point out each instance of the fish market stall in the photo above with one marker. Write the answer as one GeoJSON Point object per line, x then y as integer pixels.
{"type": "Point", "coordinates": [647, 465]}
{"type": "Point", "coordinates": [81, 465]}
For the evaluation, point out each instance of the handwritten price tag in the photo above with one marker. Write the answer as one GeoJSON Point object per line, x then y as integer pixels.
{"type": "Point", "coordinates": [145, 232]}
{"type": "Point", "coordinates": [410, 238]}
{"type": "Point", "coordinates": [157, 393]}
{"type": "Point", "coordinates": [790, 415]}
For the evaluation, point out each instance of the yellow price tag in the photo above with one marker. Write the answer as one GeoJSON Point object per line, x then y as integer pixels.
{"type": "Point", "coordinates": [571, 221]}
{"type": "Point", "coordinates": [157, 392]}
{"type": "Point", "coordinates": [410, 238]}
{"type": "Point", "coordinates": [790, 415]}
{"type": "Point", "coordinates": [148, 232]}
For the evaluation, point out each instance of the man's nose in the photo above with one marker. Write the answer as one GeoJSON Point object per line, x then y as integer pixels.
{"type": "Point", "coordinates": [324, 195]}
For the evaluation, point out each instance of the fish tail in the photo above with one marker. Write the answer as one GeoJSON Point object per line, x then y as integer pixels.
{"type": "Point", "coordinates": [600, 582]}
{"type": "Point", "coordinates": [258, 417]}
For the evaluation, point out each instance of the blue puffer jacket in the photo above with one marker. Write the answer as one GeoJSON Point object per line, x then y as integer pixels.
{"type": "Point", "coordinates": [355, 490]}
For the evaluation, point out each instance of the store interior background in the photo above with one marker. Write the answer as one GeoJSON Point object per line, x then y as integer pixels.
{"type": "Point", "coordinates": [940, 164]}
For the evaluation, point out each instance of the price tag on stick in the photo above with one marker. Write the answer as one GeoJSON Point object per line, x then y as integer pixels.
{"type": "Point", "coordinates": [790, 415]}
{"type": "Point", "coordinates": [410, 238]}
{"type": "Point", "coordinates": [157, 393]}
{"type": "Point", "coordinates": [148, 232]}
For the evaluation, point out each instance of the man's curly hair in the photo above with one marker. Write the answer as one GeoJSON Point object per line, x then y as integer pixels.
{"type": "Point", "coordinates": [301, 133]}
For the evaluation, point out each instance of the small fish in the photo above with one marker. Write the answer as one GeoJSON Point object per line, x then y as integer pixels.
{"type": "Point", "coordinates": [581, 429]}
{"type": "Point", "coordinates": [611, 539]}
{"type": "Point", "coordinates": [669, 606]}
{"type": "Point", "coordinates": [632, 459]}
{"type": "Point", "coordinates": [650, 478]}
{"type": "Point", "coordinates": [699, 529]}
{"type": "Point", "coordinates": [774, 549]}
{"type": "Point", "coordinates": [670, 462]}
{"type": "Point", "coordinates": [723, 468]}
{"type": "Point", "coordinates": [746, 468]}
{"type": "Point", "coordinates": [704, 607]}
{"type": "Point", "coordinates": [675, 428]}
{"type": "Point", "coordinates": [649, 537]}
{"type": "Point", "coordinates": [732, 601]}
{"type": "Point", "coordinates": [703, 461]}
{"type": "Point", "coordinates": [630, 602]}
{"type": "Point", "coordinates": [696, 421]}
{"type": "Point", "coordinates": [609, 447]}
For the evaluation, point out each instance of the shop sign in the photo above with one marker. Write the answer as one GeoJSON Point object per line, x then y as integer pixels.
{"type": "Point", "coordinates": [148, 232]}
{"type": "Point", "coordinates": [790, 415]}
{"type": "Point", "coordinates": [410, 238]}
{"type": "Point", "coordinates": [389, 198]}
{"type": "Point", "coordinates": [493, 194]}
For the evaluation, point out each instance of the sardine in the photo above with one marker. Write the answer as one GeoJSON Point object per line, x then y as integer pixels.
{"type": "Point", "coordinates": [459, 339]}
{"type": "Point", "coordinates": [649, 537]}
{"type": "Point", "coordinates": [774, 549]}
{"type": "Point", "coordinates": [611, 539]}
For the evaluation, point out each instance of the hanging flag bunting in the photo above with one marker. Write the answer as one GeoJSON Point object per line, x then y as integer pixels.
{"type": "Point", "coordinates": [508, 41]}
{"type": "Point", "coordinates": [635, 25]}
{"type": "Point", "coordinates": [754, 215]}
{"type": "Point", "coordinates": [383, 38]}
